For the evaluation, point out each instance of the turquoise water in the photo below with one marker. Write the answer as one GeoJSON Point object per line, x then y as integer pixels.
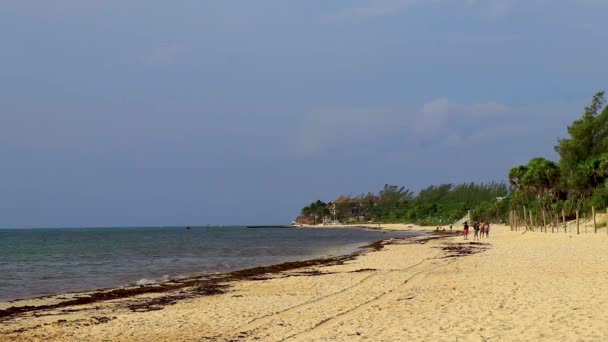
{"type": "Point", "coordinates": [39, 262]}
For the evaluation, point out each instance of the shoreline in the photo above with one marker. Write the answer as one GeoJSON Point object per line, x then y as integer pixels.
{"type": "Point", "coordinates": [381, 226]}
{"type": "Point", "coordinates": [206, 284]}
{"type": "Point", "coordinates": [94, 309]}
{"type": "Point", "coordinates": [177, 274]}
{"type": "Point", "coordinates": [516, 285]}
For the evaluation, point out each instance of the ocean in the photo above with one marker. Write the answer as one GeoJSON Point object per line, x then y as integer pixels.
{"type": "Point", "coordinates": [41, 262]}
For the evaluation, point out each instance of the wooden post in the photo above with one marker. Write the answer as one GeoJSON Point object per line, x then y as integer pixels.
{"type": "Point", "coordinates": [564, 219]}
{"type": "Point", "coordinates": [577, 224]}
{"type": "Point", "coordinates": [585, 221]}
{"type": "Point", "coordinates": [556, 223]}
{"type": "Point", "coordinates": [519, 223]}
{"type": "Point", "coordinates": [532, 221]}
{"type": "Point", "coordinates": [594, 223]}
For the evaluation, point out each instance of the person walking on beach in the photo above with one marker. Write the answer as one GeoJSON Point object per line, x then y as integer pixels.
{"type": "Point", "coordinates": [482, 229]}
{"type": "Point", "coordinates": [465, 231]}
{"type": "Point", "coordinates": [476, 228]}
{"type": "Point", "coordinates": [486, 228]}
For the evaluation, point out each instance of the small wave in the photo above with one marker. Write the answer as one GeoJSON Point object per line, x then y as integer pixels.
{"type": "Point", "coordinates": [145, 282]}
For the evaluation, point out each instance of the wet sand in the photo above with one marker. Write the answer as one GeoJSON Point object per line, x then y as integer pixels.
{"type": "Point", "coordinates": [512, 286]}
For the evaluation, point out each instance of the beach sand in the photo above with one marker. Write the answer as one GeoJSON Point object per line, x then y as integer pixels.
{"type": "Point", "coordinates": [516, 286]}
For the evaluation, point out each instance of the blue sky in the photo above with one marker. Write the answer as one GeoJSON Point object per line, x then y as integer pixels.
{"type": "Point", "coordinates": [230, 112]}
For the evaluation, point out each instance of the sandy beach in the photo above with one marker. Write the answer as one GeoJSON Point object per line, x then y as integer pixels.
{"type": "Point", "coordinates": [514, 286]}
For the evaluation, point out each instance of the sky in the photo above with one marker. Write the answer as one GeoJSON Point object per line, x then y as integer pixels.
{"type": "Point", "coordinates": [133, 112]}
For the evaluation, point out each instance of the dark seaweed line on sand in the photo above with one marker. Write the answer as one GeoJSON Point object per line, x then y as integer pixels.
{"type": "Point", "coordinates": [204, 286]}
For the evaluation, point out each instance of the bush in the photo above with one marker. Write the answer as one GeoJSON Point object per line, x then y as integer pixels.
{"type": "Point", "coordinates": [599, 199]}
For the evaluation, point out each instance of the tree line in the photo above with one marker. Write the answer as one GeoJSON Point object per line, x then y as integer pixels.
{"type": "Point", "coordinates": [575, 182]}
{"type": "Point", "coordinates": [436, 204]}
{"type": "Point", "coordinates": [542, 188]}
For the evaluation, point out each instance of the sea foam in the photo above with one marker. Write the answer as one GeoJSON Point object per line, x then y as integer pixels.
{"type": "Point", "coordinates": [145, 281]}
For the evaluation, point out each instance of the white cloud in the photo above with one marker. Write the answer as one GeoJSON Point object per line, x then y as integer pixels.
{"type": "Point", "coordinates": [60, 7]}
{"type": "Point", "coordinates": [433, 116]}
{"type": "Point", "coordinates": [333, 129]}
{"type": "Point", "coordinates": [497, 8]}
{"type": "Point", "coordinates": [504, 131]}
{"type": "Point", "coordinates": [437, 106]}
{"type": "Point", "coordinates": [165, 55]}
{"type": "Point", "coordinates": [373, 8]}
{"type": "Point", "coordinates": [327, 128]}
{"type": "Point", "coordinates": [483, 110]}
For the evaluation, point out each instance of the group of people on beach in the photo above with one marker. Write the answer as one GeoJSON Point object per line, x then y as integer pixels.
{"type": "Point", "coordinates": [480, 228]}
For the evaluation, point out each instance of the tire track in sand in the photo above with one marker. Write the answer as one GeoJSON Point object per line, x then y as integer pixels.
{"type": "Point", "coordinates": [335, 319]}
{"type": "Point", "coordinates": [279, 325]}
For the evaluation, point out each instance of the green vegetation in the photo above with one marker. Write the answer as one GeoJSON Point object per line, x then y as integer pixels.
{"type": "Point", "coordinates": [538, 191]}
{"type": "Point", "coordinates": [578, 180]}
{"type": "Point", "coordinates": [316, 209]}
{"type": "Point", "coordinates": [435, 205]}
